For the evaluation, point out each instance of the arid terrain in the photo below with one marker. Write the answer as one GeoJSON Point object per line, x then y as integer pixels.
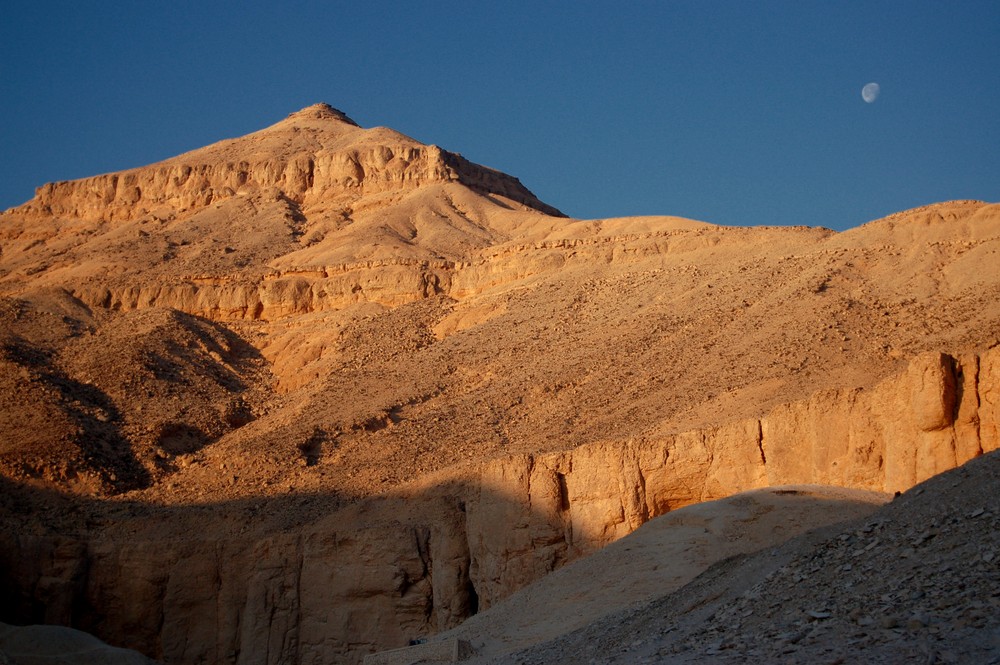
{"type": "Point", "coordinates": [315, 392]}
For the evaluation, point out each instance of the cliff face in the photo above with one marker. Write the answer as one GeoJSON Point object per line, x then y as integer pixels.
{"type": "Point", "coordinates": [373, 575]}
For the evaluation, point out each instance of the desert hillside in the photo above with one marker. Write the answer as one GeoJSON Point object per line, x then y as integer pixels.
{"type": "Point", "coordinates": [320, 390]}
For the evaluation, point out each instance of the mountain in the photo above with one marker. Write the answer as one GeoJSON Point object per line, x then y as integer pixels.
{"type": "Point", "coordinates": [314, 192]}
{"type": "Point", "coordinates": [320, 390]}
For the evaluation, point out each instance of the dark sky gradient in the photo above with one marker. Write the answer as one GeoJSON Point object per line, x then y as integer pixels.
{"type": "Point", "coordinates": [729, 112]}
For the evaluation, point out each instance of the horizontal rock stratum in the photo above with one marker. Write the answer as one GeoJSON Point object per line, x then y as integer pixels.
{"type": "Point", "coordinates": [319, 390]}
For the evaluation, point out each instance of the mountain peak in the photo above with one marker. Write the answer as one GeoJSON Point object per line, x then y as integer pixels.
{"type": "Point", "coordinates": [323, 111]}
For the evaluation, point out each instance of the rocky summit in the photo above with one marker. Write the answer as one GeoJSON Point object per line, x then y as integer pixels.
{"type": "Point", "coordinates": [315, 393]}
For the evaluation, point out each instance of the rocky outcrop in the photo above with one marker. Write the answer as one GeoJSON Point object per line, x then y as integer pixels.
{"type": "Point", "coordinates": [489, 181]}
{"type": "Point", "coordinates": [182, 186]}
{"type": "Point", "coordinates": [278, 295]}
{"type": "Point", "coordinates": [315, 156]}
{"type": "Point", "coordinates": [377, 573]}
{"type": "Point", "coordinates": [938, 415]}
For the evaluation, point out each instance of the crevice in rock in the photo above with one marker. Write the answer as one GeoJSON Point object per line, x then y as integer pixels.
{"type": "Point", "coordinates": [563, 492]}
{"type": "Point", "coordinates": [472, 602]}
{"type": "Point", "coordinates": [645, 514]}
{"type": "Point", "coordinates": [979, 402]}
{"type": "Point", "coordinates": [760, 442]}
{"type": "Point", "coordinates": [952, 389]}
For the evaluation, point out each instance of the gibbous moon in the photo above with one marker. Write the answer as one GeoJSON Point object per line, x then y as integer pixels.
{"type": "Point", "coordinates": [869, 93]}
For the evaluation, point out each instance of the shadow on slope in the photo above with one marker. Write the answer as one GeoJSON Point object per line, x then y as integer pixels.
{"type": "Point", "coordinates": [100, 403]}
{"type": "Point", "coordinates": [290, 578]}
{"type": "Point", "coordinates": [57, 645]}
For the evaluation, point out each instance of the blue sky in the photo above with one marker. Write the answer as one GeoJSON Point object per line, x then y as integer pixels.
{"type": "Point", "coordinates": [730, 112]}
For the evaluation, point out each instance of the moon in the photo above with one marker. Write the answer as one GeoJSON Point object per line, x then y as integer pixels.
{"type": "Point", "coordinates": [869, 93]}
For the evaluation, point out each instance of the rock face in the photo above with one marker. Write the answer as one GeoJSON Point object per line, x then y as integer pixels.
{"type": "Point", "coordinates": [389, 569]}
